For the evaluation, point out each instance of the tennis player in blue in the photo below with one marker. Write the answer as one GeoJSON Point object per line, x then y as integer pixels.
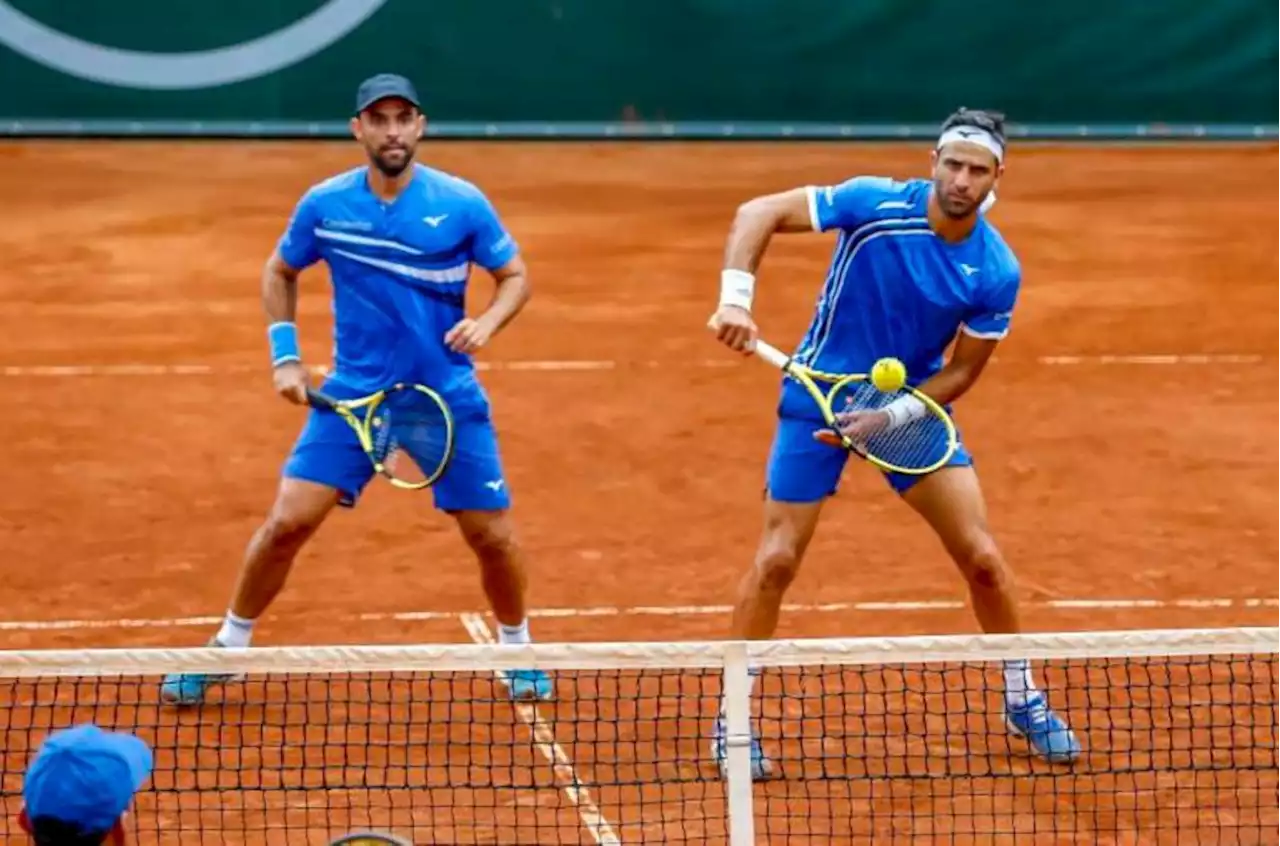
{"type": "Point", "coordinates": [399, 239]}
{"type": "Point", "coordinates": [916, 267]}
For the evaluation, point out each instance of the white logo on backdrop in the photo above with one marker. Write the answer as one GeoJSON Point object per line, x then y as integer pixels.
{"type": "Point", "coordinates": [177, 71]}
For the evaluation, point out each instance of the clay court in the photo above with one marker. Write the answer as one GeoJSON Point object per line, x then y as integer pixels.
{"type": "Point", "coordinates": [1125, 435]}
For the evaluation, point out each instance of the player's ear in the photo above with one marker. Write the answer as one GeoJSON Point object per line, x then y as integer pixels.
{"type": "Point", "coordinates": [421, 123]}
{"type": "Point", "coordinates": [355, 128]}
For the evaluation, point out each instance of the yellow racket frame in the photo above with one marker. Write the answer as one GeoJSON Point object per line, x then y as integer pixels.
{"type": "Point", "coordinates": [348, 410]}
{"type": "Point", "coordinates": [370, 838]}
{"type": "Point", "coordinates": [810, 378]}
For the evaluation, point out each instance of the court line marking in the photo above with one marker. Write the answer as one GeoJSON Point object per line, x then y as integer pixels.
{"type": "Point", "coordinates": [545, 739]}
{"type": "Point", "coordinates": [877, 607]}
{"type": "Point", "coordinates": [594, 365]}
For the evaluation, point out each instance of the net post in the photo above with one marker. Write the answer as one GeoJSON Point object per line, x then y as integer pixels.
{"type": "Point", "coordinates": [737, 718]}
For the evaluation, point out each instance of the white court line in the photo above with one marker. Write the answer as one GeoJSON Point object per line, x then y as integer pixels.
{"type": "Point", "coordinates": [900, 607]}
{"type": "Point", "coordinates": [545, 738]}
{"type": "Point", "coordinates": [589, 365]}
{"type": "Point", "coordinates": [1170, 359]}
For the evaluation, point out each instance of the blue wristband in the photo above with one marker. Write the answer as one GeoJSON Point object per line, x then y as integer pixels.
{"type": "Point", "coordinates": [284, 343]}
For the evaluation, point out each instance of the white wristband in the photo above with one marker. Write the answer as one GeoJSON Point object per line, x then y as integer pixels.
{"type": "Point", "coordinates": [903, 410]}
{"type": "Point", "coordinates": [737, 288]}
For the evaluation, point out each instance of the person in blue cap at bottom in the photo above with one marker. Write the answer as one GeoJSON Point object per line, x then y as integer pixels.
{"type": "Point", "coordinates": [80, 785]}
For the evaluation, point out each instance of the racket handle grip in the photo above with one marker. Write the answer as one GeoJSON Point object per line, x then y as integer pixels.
{"type": "Point", "coordinates": [319, 399]}
{"type": "Point", "coordinates": [772, 354]}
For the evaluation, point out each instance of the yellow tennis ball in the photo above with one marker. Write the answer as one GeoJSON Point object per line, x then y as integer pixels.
{"type": "Point", "coordinates": [888, 375]}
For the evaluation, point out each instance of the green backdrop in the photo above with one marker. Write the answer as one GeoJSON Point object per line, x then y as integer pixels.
{"type": "Point", "coordinates": [856, 64]}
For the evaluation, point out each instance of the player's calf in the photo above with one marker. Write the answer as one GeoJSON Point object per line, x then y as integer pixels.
{"type": "Point", "coordinates": [491, 538]}
{"type": "Point", "coordinates": [777, 565]}
{"type": "Point", "coordinates": [788, 527]}
{"type": "Point", "coordinates": [982, 565]}
{"type": "Point", "coordinates": [299, 510]}
{"type": "Point", "coordinates": [762, 589]}
{"type": "Point", "coordinates": [991, 584]}
{"type": "Point", "coordinates": [502, 574]}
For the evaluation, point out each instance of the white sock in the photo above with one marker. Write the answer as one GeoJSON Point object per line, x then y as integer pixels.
{"type": "Point", "coordinates": [236, 632]}
{"type": "Point", "coordinates": [1018, 684]}
{"type": "Point", "coordinates": [514, 634]}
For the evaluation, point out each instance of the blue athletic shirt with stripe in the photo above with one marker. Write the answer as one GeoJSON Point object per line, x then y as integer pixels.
{"type": "Point", "coordinates": [895, 288]}
{"type": "Point", "coordinates": [399, 274]}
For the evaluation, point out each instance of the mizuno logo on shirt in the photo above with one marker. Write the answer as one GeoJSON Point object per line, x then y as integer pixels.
{"type": "Point", "coordinates": [968, 269]}
{"type": "Point", "coordinates": [433, 222]}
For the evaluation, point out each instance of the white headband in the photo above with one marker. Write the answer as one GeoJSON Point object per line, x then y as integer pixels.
{"type": "Point", "coordinates": [981, 137]}
{"type": "Point", "coordinates": [973, 135]}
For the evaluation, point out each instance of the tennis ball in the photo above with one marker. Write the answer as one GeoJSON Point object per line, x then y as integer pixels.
{"type": "Point", "coordinates": [888, 375]}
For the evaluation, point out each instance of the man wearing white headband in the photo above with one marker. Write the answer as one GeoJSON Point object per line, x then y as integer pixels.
{"type": "Point", "coordinates": [916, 266]}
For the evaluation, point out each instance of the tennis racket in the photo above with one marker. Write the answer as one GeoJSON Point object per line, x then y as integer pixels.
{"type": "Point", "coordinates": [916, 447]}
{"type": "Point", "coordinates": [369, 838]}
{"type": "Point", "coordinates": [406, 430]}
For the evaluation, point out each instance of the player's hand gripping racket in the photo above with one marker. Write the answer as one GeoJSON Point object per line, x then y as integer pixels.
{"type": "Point", "coordinates": [406, 430]}
{"type": "Point", "coordinates": [916, 445]}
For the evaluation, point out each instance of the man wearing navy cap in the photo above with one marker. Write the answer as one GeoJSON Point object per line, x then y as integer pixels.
{"type": "Point", "coordinates": [400, 240]}
{"type": "Point", "coordinates": [80, 785]}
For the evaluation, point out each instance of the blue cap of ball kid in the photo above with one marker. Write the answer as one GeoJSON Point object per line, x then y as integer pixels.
{"type": "Point", "coordinates": [84, 778]}
{"type": "Point", "coordinates": [381, 87]}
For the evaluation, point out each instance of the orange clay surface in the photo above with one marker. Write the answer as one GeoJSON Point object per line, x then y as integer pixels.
{"type": "Point", "coordinates": [133, 479]}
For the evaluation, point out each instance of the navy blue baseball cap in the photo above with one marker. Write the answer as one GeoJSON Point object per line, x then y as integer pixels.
{"type": "Point", "coordinates": [85, 778]}
{"type": "Point", "coordinates": [381, 87]}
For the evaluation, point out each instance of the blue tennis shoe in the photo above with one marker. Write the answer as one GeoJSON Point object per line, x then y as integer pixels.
{"type": "Point", "coordinates": [528, 684]}
{"type": "Point", "coordinates": [1047, 733]}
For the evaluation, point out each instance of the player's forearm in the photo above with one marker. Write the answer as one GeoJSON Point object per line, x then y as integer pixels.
{"type": "Point", "coordinates": [951, 382]}
{"type": "Point", "coordinates": [753, 227]}
{"type": "Point", "coordinates": [280, 302]}
{"type": "Point", "coordinates": [946, 386]}
{"type": "Point", "coordinates": [509, 297]}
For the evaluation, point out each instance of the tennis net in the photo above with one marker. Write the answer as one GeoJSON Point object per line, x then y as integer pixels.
{"type": "Point", "coordinates": [878, 740]}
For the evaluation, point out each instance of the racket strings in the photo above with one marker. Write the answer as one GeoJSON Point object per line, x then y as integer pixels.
{"type": "Point", "coordinates": [411, 434]}
{"type": "Point", "coordinates": [915, 444]}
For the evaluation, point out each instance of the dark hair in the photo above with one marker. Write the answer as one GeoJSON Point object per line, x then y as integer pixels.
{"type": "Point", "coordinates": [47, 831]}
{"type": "Point", "coordinates": [987, 119]}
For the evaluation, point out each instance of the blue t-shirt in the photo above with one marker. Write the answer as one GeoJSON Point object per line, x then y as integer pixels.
{"type": "Point", "coordinates": [895, 288]}
{"type": "Point", "coordinates": [399, 273]}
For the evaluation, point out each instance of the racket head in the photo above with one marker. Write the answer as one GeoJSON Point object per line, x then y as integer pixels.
{"type": "Point", "coordinates": [370, 838]}
{"type": "Point", "coordinates": [410, 435]}
{"type": "Point", "coordinates": [915, 448]}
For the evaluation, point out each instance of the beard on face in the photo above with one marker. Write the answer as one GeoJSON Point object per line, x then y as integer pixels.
{"type": "Point", "coordinates": [392, 160]}
{"type": "Point", "coordinates": [955, 207]}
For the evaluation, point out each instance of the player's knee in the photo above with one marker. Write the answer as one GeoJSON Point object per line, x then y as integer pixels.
{"type": "Point", "coordinates": [492, 541]}
{"type": "Point", "coordinates": [299, 509]}
{"type": "Point", "coordinates": [983, 565]}
{"type": "Point", "coordinates": [777, 564]}
{"type": "Point", "coordinates": [287, 530]}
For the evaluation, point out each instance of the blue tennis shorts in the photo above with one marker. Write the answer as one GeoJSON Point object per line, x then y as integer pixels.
{"type": "Point", "coordinates": [803, 470]}
{"type": "Point", "coordinates": [328, 453]}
